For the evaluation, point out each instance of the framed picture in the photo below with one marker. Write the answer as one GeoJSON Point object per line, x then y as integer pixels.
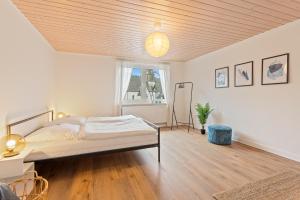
{"type": "Point", "coordinates": [222, 77]}
{"type": "Point", "coordinates": [243, 74]}
{"type": "Point", "coordinates": [275, 70]}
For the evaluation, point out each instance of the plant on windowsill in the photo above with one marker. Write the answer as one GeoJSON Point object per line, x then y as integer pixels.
{"type": "Point", "coordinates": [203, 113]}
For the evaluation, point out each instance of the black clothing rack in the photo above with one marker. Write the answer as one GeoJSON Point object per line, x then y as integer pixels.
{"type": "Point", "coordinates": [181, 85]}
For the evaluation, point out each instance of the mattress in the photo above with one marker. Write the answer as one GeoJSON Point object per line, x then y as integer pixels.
{"type": "Point", "coordinates": [64, 148]}
{"type": "Point", "coordinates": [67, 139]}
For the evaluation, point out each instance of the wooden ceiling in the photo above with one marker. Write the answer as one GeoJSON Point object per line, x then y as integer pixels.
{"type": "Point", "coordinates": [119, 27]}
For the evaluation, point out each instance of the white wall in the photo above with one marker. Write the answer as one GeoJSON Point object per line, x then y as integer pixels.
{"type": "Point", "coordinates": [153, 113]}
{"type": "Point", "coordinates": [177, 75]}
{"type": "Point", "coordinates": [25, 65]}
{"type": "Point", "coordinates": [262, 116]}
{"type": "Point", "coordinates": [85, 85]}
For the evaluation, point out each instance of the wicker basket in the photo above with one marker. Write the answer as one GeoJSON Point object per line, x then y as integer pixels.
{"type": "Point", "coordinates": [30, 188]}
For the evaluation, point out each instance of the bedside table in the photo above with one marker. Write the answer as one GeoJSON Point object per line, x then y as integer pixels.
{"type": "Point", "coordinates": [14, 167]}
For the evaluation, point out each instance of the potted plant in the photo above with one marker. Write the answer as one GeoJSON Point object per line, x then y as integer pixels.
{"type": "Point", "coordinates": [203, 113]}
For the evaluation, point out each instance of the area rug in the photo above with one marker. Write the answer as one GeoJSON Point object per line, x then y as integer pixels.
{"type": "Point", "coordinates": [282, 186]}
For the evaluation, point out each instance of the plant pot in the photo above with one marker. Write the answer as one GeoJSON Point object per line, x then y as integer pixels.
{"type": "Point", "coordinates": [202, 131]}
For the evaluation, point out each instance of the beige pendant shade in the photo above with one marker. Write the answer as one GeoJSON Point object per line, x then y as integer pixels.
{"type": "Point", "coordinates": [157, 44]}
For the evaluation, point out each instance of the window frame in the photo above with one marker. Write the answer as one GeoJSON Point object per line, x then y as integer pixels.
{"type": "Point", "coordinates": [158, 66]}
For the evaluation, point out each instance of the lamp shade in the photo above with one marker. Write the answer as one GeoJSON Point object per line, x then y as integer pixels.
{"type": "Point", "coordinates": [157, 44]}
{"type": "Point", "coordinates": [12, 144]}
{"type": "Point", "coordinates": [60, 115]}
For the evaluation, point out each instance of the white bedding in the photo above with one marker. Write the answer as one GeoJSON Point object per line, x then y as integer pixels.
{"type": "Point", "coordinates": [116, 127]}
{"type": "Point", "coordinates": [54, 133]}
{"type": "Point", "coordinates": [111, 119]}
{"type": "Point", "coordinates": [101, 135]}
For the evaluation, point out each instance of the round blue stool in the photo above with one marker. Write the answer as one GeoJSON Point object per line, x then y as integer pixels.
{"type": "Point", "coordinates": [219, 134]}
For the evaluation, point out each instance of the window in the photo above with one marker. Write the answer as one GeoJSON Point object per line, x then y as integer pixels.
{"type": "Point", "coordinates": [143, 85]}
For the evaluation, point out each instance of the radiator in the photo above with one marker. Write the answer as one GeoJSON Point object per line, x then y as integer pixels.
{"type": "Point", "coordinates": [155, 113]}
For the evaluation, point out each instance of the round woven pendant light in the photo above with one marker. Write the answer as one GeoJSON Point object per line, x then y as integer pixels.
{"type": "Point", "coordinates": [157, 44]}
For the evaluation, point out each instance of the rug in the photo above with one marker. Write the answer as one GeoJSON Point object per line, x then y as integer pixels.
{"type": "Point", "coordinates": [282, 186]}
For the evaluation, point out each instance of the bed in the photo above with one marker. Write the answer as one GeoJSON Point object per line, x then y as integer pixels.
{"type": "Point", "coordinates": [81, 136]}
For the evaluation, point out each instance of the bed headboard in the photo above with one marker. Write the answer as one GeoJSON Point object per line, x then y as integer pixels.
{"type": "Point", "coordinates": [30, 124]}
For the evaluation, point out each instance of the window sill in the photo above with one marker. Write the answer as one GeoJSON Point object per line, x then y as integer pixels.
{"type": "Point", "coordinates": [144, 104]}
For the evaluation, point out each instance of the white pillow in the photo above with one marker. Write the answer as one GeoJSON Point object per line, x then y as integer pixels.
{"type": "Point", "coordinates": [54, 133]}
{"type": "Point", "coordinates": [77, 120]}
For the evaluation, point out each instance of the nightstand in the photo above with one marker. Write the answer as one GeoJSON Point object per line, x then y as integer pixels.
{"type": "Point", "coordinates": [13, 168]}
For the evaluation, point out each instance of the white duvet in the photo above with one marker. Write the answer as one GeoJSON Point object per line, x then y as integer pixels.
{"type": "Point", "coordinates": [111, 119]}
{"type": "Point", "coordinates": [115, 127]}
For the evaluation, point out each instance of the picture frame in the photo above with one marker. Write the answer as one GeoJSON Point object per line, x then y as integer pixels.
{"type": "Point", "coordinates": [222, 77]}
{"type": "Point", "coordinates": [275, 70]}
{"type": "Point", "coordinates": [243, 74]}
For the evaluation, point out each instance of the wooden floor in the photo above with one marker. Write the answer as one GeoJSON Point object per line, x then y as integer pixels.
{"type": "Point", "coordinates": [190, 168]}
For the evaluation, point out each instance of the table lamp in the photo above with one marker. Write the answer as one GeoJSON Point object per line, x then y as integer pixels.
{"type": "Point", "coordinates": [60, 115]}
{"type": "Point", "coordinates": [13, 144]}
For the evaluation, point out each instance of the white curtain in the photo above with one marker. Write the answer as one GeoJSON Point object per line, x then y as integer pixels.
{"type": "Point", "coordinates": [167, 85]}
{"type": "Point", "coordinates": [126, 75]}
{"type": "Point", "coordinates": [123, 74]}
{"type": "Point", "coordinates": [162, 75]}
{"type": "Point", "coordinates": [118, 101]}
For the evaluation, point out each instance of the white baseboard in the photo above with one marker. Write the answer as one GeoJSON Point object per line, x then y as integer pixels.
{"type": "Point", "coordinates": [273, 150]}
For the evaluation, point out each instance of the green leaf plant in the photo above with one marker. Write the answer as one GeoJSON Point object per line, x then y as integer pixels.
{"type": "Point", "coordinates": [203, 113]}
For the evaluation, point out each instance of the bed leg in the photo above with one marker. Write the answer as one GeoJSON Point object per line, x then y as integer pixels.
{"type": "Point", "coordinates": [158, 147]}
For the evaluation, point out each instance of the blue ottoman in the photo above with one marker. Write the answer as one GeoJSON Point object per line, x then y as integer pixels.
{"type": "Point", "coordinates": [219, 134]}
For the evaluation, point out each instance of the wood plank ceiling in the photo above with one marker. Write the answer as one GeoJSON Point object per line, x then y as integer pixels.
{"type": "Point", "coordinates": [119, 27]}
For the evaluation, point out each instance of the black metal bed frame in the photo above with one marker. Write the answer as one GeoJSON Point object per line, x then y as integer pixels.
{"type": "Point", "coordinates": [157, 128]}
